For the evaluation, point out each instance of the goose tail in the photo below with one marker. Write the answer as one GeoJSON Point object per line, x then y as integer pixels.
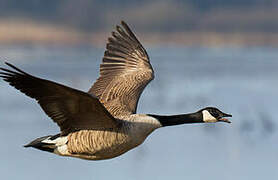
{"type": "Point", "coordinates": [48, 143]}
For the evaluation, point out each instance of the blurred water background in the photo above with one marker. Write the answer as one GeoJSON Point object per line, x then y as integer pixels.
{"type": "Point", "coordinates": [204, 53]}
{"type": "Point", "coordinates": [240, 81]}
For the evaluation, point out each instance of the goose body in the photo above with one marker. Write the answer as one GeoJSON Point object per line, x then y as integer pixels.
{"type": "Point", "coordinates": [102, 123]}
{"type": "Point", "coordinates": [97, 145]}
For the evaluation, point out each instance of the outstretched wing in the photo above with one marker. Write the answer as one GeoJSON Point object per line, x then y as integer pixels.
{"type": "Point", "coordinates": [71, 109]}
{"type": "Point", "coordinates": [124, 73]}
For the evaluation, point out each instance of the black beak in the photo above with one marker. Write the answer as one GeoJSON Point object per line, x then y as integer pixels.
{"type": "Point", "coordinates": [225, 119]}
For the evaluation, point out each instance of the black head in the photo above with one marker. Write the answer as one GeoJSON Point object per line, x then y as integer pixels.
{"type": "Point", "coordinates": [212, 114]}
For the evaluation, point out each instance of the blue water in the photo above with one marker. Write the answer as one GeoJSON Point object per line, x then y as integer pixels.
{"type": "Point", "coordinates": [240, 81]}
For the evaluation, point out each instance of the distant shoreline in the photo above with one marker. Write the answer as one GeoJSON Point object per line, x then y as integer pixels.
{"type": "Point", "coordinates": [20, 32]}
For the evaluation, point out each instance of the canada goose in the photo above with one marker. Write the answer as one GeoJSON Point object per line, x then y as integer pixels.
{"type": "Point", "coordinates": [102, 123]}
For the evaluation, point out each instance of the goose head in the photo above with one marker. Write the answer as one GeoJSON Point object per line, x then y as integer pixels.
{"type": "Point", "coordinates": [212, 114]}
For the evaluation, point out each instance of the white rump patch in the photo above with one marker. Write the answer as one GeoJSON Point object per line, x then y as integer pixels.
{"type": "Point", "coordinates": [60, 144]}
{"type": "Point", "coordinates": [207, 117]}
{"type": "Point", "coordinates": [62, 150]}
{"type": "Point", "coordinates": [58, 141]}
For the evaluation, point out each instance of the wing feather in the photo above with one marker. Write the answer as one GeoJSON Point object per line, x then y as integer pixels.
{"type": "Point", "coordinates": [124, 73]}
{"type": "Point", "coordinates": [71, 109]}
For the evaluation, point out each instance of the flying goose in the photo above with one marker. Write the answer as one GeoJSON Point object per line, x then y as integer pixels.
{"type": "Point", "coordinates": [102, 123]}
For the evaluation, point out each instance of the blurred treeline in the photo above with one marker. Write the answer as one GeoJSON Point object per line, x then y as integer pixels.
{"type": "Point", "coordinates": [258, 17]}
{"type": "Point", "coordinates": [182, 15]}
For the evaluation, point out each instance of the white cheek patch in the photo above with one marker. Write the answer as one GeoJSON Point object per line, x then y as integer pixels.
{"type": "Point", "coordinates": [207, 117]}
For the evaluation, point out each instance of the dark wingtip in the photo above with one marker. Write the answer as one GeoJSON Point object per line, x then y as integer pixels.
{"type": "Point", "coordinates": [125, 26]}
{"type": "Point", "coordinates": [118, 28]}
{"type": "Point", "coordinates": [27, 145]}
{"type": "Point", "coordinates": [130, 33]}
{"type": "Point", "coordinates": [15, 68]}
{"type": "Point", "coordinates": [123, 23]}
{"type": "Point", "coordinates": [9, 64]}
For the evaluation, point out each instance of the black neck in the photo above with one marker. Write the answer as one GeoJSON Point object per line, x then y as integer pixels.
{"type": "Point", "coordinates": [179, 119]}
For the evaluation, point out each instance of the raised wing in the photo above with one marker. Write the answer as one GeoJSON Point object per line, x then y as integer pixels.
{"type": "Point", "coordinates": [71, 109]}
{"type": "Point", "coordinates": [124, 73]}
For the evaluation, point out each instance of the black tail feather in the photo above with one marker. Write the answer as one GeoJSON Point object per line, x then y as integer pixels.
{"type": "Point", "coordinates": [38, 144]}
